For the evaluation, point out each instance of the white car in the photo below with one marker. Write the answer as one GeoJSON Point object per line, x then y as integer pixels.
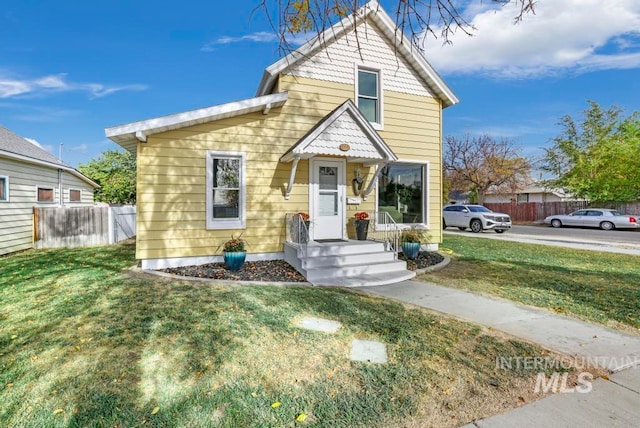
{"type": "Point", "coordinates": [604, 218]}
{"type": "Point", "coordinates": [475, 217]}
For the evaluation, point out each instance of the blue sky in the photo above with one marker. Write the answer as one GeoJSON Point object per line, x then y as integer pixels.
{"type": "Point", "coordinates": [69, 69]}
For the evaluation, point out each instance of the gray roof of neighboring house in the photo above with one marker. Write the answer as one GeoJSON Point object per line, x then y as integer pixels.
{"type": "Point", "coordinates": [12, 142]}
{"type": "Point", "coordinates": [17, 147]}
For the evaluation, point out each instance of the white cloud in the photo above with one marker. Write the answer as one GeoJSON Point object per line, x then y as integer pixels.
{"type": "Point", "coordinates": [257, 37]}
{"type": "Point", "coordinates": [563, 36]}
{"type": "Point", "coordinates": [11, 87]}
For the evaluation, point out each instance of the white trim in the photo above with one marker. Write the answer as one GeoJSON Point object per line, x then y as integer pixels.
{"type": "Point", "coordinates": [6, 188]}
{"type": "Point", "coordinates": [374, 12]}
{"type": "Point", "coordinates": [217, 224]}
{"type": "Point", "coordinates": [129, 134]}
{"type": "Point", "coordinates": [169, 262]}
{"type": "Point", "coordinates": [52, 201]}
{"type": "Point", "coordinates": [70, 170]}
{"type": "Point", "coordinates": [376, 140]}
{"type": "Point", "coordinates": [379, 125]}
{"type": "Point", "coordinates": [69, 190]}
{"type": "Point", "coordinates": [314, 188]}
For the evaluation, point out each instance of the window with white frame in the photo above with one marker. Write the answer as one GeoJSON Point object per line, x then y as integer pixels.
{"type": "Point", "coordinates": [75, 195]}
{"type": "Point", "coordinates": [225, 190]}
{"type": "Point", "coordinates": [369, 95]}
{"type": "Point", "coordinates": [402, 192]}
{"type": "Point", "coordinates": [45, 194]}
{"type": "Point", "coordinates": [522, 197]}
{"type": "Point", "coordinates": [4, 188]}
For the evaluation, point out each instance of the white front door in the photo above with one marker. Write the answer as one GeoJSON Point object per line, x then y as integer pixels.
{"type": "Point", "coordinates": [326, 198]}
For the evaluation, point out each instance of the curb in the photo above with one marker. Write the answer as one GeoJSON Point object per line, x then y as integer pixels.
{"type": "Point", "coordinates": [443, 264]}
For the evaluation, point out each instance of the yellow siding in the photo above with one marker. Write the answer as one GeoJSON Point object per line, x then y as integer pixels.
{"type": "Point", "coordinates": [171, 169]}
{"type": "Point", "coordinates": [412, 129]}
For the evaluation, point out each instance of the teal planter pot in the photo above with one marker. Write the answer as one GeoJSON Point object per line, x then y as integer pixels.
{"type": "Point", "coordinates": [234, 260]}
{"type": "Point", "coordinates": [411, 249]}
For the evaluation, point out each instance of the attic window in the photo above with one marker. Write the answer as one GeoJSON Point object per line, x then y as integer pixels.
{"type": "Point", "coordinates": [75, 195]}
{"type": "Point", "coordinates": [45, 194]}
{"type": "Point", "coordinates": [369, 95]}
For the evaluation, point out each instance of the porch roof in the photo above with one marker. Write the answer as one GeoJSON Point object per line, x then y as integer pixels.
{"type": "Point", "coordinates": [343, 132]}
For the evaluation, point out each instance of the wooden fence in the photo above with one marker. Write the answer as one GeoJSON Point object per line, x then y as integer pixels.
{"type": "Point", "coordinates": [535, 212]}
{"type": "Point", "coordinates": [82, 226]}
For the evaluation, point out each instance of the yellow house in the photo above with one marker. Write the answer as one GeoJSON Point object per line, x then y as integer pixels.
{"type": "Point", "coordinates": [337, 127]}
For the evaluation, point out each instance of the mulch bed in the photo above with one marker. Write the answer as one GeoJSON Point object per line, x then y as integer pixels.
{"type": "Point", "coordinates": [265, 271]}
{"type": "Point", "coordinates": [277, 270]}
{"type": "Point", "coordinates": [424, 260]}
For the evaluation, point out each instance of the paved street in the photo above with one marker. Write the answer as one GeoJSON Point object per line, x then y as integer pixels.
{"type": "Point", "coordinates": [615, 241]}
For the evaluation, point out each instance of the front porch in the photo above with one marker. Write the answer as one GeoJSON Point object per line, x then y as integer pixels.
{"type": "Point", "coordinates": [346, 262]}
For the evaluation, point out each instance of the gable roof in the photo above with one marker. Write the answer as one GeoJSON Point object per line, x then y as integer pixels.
{"type": "Point", "coordinates": [16, 147]}
{"type": "Point", "coordinates": [371, 12]}
{"type": "Point", "coordinates": [354, 130]}
{"type": "Point", "coordinates": [13, 143]}
{"type": "Point", "coordinates": [129, 134]}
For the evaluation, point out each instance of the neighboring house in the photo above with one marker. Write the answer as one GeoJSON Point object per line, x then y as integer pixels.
{"type": "Point", "coordinates": [323, 118]}
{"type": "Point", "coordinates": [459, 197]}
{"type": "Point", "coordinates": [32, 177]}
{"type": "Point", "coordinates": [531, 193]}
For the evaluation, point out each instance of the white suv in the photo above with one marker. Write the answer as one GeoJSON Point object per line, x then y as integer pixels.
{"type": "Point", "coordinates": [475, 217]}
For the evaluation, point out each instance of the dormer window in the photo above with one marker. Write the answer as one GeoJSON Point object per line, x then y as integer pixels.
{"type": "Point", "coordinates": [369, 95]}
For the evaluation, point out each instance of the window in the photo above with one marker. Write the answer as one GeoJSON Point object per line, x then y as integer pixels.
{"type": "Point", "coordinates": [369, 95]}
{"type": "Point", "coordinates": [45, 194]}
{"type": "Point", "coordinates": [225, 190]}
{"type": "Point", "coordinates": [75, 195]}
{"type": "Point", "coordinates": [4, 189]}
{"type": "Point", "coordinates": [401, 192]}
{"type": "Point", "coordinates": [522, 197]}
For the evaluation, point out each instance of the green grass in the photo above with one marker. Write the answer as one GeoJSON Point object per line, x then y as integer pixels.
{"type": "Point", "coordinates": [84, 344]}
{"type": "Point", "coordinates": [595, 286]}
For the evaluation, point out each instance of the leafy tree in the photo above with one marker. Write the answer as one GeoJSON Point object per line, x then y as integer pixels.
{"type": "Point", "coordinates": [115, 172]}
{"type": "Point", "coordinates": [599, 158]}
{"type": "Point", "coordinates": [482, 163]}
{"type": "Point", "coordinates": [414, 18]}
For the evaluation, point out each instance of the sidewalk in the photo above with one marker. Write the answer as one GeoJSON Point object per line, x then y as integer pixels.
{"type": "Point", "coordinates": [611, 403]}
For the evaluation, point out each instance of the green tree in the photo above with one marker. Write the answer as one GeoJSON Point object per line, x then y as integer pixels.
{"type": "Point", "coordinates": [599, 157]}
{"type": "Point", "coordinates": [415, 19]}
{"type": "Point", "coordinates": [115, 172]}
{"type": "Point", "coordinates": [481, 163]}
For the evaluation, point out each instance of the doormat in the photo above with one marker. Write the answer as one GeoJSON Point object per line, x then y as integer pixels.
{"type": "Point", "coordinates": [330, 240]}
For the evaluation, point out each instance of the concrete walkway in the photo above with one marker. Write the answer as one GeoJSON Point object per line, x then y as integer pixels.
{"type": "Point", "coordinates": [611, 403]}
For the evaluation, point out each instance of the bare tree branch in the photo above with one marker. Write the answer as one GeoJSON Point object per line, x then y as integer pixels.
{"type": "Point", "coordinates": [415, 19]}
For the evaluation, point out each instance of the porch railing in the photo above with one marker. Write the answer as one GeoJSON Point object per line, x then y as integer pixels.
{"type": "Point", "coordinates": [297, 232]}
{"type": "Point", "coordinates": [381, 228]}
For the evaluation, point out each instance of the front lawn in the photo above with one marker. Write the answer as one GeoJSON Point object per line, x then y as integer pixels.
{"type": "Point", "coordinates": [601, 287]}
{"type": "Point", "coordinates": [84, 344]}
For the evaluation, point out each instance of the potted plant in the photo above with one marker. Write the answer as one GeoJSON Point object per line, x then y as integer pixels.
{"type": "Point", "coordinates": [410, 240]}
{"type": "Point", "coordinates": [234, 253]}
{"type": "Point", "coordinates": [362, 225]}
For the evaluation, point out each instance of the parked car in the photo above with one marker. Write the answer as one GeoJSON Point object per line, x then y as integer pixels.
{"type": "Point", "coordinates": [475, 217]}
{"type": "Point", "coordinates": [603, 218]}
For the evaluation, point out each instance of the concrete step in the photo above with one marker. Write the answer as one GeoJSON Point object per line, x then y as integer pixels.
{"type": "Point", "coordinates": [356, 270]}
{"type": "Point", "coordinates": [336, 260]}
{"type": "Point", "coordinates": [366, 279]}
{"type": "Point", "coordinates": [341, 248]}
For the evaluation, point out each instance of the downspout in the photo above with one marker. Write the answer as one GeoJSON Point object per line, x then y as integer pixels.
{"type": "Point", "coordinates": [61, 195]}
